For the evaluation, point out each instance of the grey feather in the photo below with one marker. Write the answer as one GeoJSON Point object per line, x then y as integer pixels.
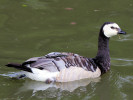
{"type": "Point", "coordinates": [57, 61]}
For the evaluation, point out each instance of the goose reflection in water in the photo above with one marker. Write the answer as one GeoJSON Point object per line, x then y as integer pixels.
{"type": "Point", "coordinates": [66, 86]}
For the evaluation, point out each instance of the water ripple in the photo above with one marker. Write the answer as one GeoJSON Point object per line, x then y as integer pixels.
{"type": "Point", "coordinates": [124, 80]}
{"type": "Point", "coordinates": [121, 62]}
{"type": "Point", "coordinates": [128, 37]}
{"type": "Point", "coordinates": [12, 74]}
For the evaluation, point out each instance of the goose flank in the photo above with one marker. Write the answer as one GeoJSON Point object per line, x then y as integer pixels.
{"type": "Point", "coordinates": [64, 67]}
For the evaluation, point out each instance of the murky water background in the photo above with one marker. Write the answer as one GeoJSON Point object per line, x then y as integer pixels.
{"type": "Point", "coordinates": [30, 28]}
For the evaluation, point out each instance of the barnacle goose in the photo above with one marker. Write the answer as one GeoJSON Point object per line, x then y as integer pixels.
{"type": "Point", "coordinates": [65, 67]}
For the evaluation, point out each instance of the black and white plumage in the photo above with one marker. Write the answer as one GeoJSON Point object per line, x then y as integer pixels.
{"type": "Point", "coordinates": [64, 67]}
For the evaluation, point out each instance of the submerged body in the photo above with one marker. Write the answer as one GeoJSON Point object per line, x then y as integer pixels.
{"type": "Point", "coordinates": [64, 67]}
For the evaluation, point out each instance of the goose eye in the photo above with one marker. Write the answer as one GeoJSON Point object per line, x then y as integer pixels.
{"type": "Point", "coordinates": [112, 27]}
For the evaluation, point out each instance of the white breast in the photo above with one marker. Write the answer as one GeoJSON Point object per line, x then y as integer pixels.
{"type": "Point", "coordinates": [76, 73]}
{"type": "Point", "coordinates": [66, 75]}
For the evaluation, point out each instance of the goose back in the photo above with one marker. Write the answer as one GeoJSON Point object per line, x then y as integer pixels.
{"type": "Point", "coordinates": [56, 61]}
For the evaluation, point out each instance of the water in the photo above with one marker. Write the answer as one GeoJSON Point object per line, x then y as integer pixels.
{"type": "Point", "coordinates": [30, 28]}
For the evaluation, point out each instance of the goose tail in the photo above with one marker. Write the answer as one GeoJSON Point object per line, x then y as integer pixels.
{"type": "Point", "coordinates": [19, 66]}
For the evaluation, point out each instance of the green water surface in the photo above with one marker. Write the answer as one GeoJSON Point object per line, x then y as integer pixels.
{"type": "Point", "coordinates": [30, 28]}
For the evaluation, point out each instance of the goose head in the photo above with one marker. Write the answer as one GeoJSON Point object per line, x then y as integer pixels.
{"type": "Point", "coordinates": [111, 29]}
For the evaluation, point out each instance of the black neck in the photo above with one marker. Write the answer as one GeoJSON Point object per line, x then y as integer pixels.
{"type": "Point", "coordinates": [103, 57]}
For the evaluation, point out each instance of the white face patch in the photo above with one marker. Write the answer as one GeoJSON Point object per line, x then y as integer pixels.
{"type": "Point", "coordinates": [111, 29]}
